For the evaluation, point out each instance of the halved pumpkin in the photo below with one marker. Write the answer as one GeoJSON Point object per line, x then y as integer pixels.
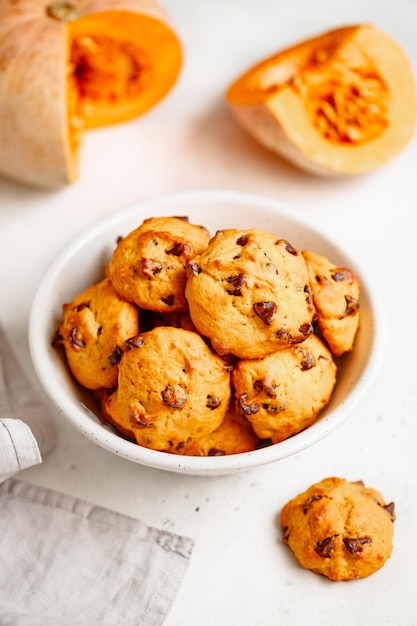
{"type": "Point", "coordinates": [67, 66]}
{"type": "Point", "coordinates": [342, 103]}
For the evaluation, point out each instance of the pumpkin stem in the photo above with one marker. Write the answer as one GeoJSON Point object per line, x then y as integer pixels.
{"type": "Point", "coordinates": [63, 11]}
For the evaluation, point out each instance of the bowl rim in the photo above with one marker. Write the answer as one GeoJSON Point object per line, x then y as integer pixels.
{"type": "Point", "coordinates": [103, 436]}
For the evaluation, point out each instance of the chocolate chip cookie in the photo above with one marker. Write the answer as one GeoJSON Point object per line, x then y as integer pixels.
{"type": "Point", "coordinates": [93, 331]}
{"type": "Point", "coordinates": [284, 392]}
{"type": "Point", "coordinates": [336, 298]}
{"type": "Point", "coordinates": [172, 388]}
{"type": "Point", "coordinates": [249, 293]}
{"type": "Point", "coordinates": [148, 265]}
{"type": "Point", "coordinates": [340, 529]}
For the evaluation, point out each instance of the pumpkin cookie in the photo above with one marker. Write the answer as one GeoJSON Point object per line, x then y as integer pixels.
{"type": "Point", "coordinates": [336, 298]}
{"type": "Point", "coordinates": [172, 388]}
{"type": "Point", "coordinates": [340, 529]}
{"type": "Point", "coordinates": [234, 436]}
{"type": "Point", "coordinates": [249, 293]}
{"type": "Point", "coordinates": [94, 328]}
{"type": "Point", "coordinates": [148, 265]}
{"type": "Point", "coordinates": [284, 392]}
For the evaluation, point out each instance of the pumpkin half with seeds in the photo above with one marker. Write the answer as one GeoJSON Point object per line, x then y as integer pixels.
{"type": "Point", "coordinates": [67, 66]}
{"type": "Point", "coordinates": [341, 103]}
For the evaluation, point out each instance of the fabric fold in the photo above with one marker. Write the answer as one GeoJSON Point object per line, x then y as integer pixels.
{"type": "Point", "coordinates": [18, 447]}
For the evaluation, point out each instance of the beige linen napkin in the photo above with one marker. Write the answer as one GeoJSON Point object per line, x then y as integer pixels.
{"type": "Point", "coordinates": [67, 562]}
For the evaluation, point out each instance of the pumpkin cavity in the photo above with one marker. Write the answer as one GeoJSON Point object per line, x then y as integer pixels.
{"type": "Point", "coordinates": [341, 103]}
{"type": "Point", "coordinates": [120, 64]}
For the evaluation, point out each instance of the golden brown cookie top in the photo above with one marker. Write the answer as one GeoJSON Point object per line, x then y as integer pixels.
{"type": "Point", "coordinates": [172, 387]}
{"type": "Point", "coordinates": [249, 293]}
{"type": "Point", "coordinates": [284, 392]}
{"type": "Point", "coordinates": [179, 225]}
{"type": "Point", "coordinates": [338, 528]}
{"type": "Point", "coordinates": [336, 298]}
{"type": "Point", "coordinates": [94, 328]}
{"type": "Point", "coordinates": [148, 265]}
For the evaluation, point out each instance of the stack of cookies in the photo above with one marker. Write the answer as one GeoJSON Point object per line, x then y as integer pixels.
{"type": "Point", "coordinates": [200, 345]}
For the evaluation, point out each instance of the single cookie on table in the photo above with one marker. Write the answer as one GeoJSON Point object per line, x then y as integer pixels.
{"type": "Point", "coordinates": [148, 265]}
{"type": "Point", "coordinates": [336, 293]}
{"type": "Point", "coordinates": [172, 388]}
{"type": "Point", "coordinates": [283, 393]}
{"type": "Point", "coordinates": [234, 436]}
{"type": "Point", "coordinates": [340, 529]}
{"type": "Point", "coordinates": [249, 293]}
{"type": "Point", "coordinates": [94, 328]}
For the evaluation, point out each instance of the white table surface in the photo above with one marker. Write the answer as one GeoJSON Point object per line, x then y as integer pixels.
{"type": "Point", "coordinates": [240, 573]}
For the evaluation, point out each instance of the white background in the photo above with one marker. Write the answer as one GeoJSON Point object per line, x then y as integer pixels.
{"type": "Point", "coordinates": [240, 573]}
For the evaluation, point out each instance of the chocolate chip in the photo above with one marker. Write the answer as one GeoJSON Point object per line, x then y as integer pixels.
{"type": "Point", "coordinates": [307, 504]}
{"type": "Point", "coordinates": [321, 279]}
{"type": "Point", "coordinates": [274, 409]}
{"type": "Point", "coordinates": [195, 268]}
{"type": "Point", "coordinates": [169, 300]}
{"type": "Point", "coordinates": [306, 329]}
{"type": "Point", "coordinates": [151, 268]}
{"type": "Point", "coordinates": [259, 385]}
{"type": "Point", "coordinates": [309, 296]}
{"type": "Point", "coordinates": [289, 248]}
{"type": "Point", "coordinates": [213, 402]}
{"type": "Point", "coordinates": [75, 340]}
{"type": "Point", "coordinates": [238, 281]}
{"type": "Point", "coordinates": [174, 396]}
{"type": "Point", "coordinates": [181, 445]}
{"type": "Point", "coordinates": [352, 306]}
{"type": "Point", "coordinates": [307, 359]}
{"type": "Point", "coordinates": [285, 533]}
{"type": "Point", "coordinates": [184, 218]}
{"type": "Point", "coordinates": [283, 334]}
{"type": "Point", "coordinates": [246, 408]}
{"type": "Point", "coordinates": [134, 342]}
{"type": "Point", "coordinates": [216, 452]}
{"type": "Point", "coordinates": [99, 331]}
{"type": "Point", "coordinates": [242, 240]}
{"type": "Point", "coordinates": [266, 311]}
{"type": "Point", "coordinates": [390, 508]}
{"type": "Point", "coordinates": [342, 273]}
{"type": "Point", "coordinates": [116, 356]}
{"type": "Point", "coordinates": [80, 307]}
{"type": "Point", "coordinates": [177, 249]}
{"type": "Point", "coordinates": [354, 545]}
{"type": "Point", "coordinates": [325, 548]}
{"type": "Point", "coordinates": [339, 275]}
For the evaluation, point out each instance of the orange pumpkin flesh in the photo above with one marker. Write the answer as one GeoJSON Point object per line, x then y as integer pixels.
{"type": "Point", "coordinates": [338, 104]}
{"type": "Point", "coordinates": [75, 65]}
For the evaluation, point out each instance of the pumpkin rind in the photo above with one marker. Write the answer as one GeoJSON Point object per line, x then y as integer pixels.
{"type": "Point", "coordinates": [42, 109]}
{"type": "Point", "coordinates": [339, 104]}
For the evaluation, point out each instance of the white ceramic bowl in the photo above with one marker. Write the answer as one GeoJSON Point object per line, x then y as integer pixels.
{"type": "Point", "coordinates": [81, 263]}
